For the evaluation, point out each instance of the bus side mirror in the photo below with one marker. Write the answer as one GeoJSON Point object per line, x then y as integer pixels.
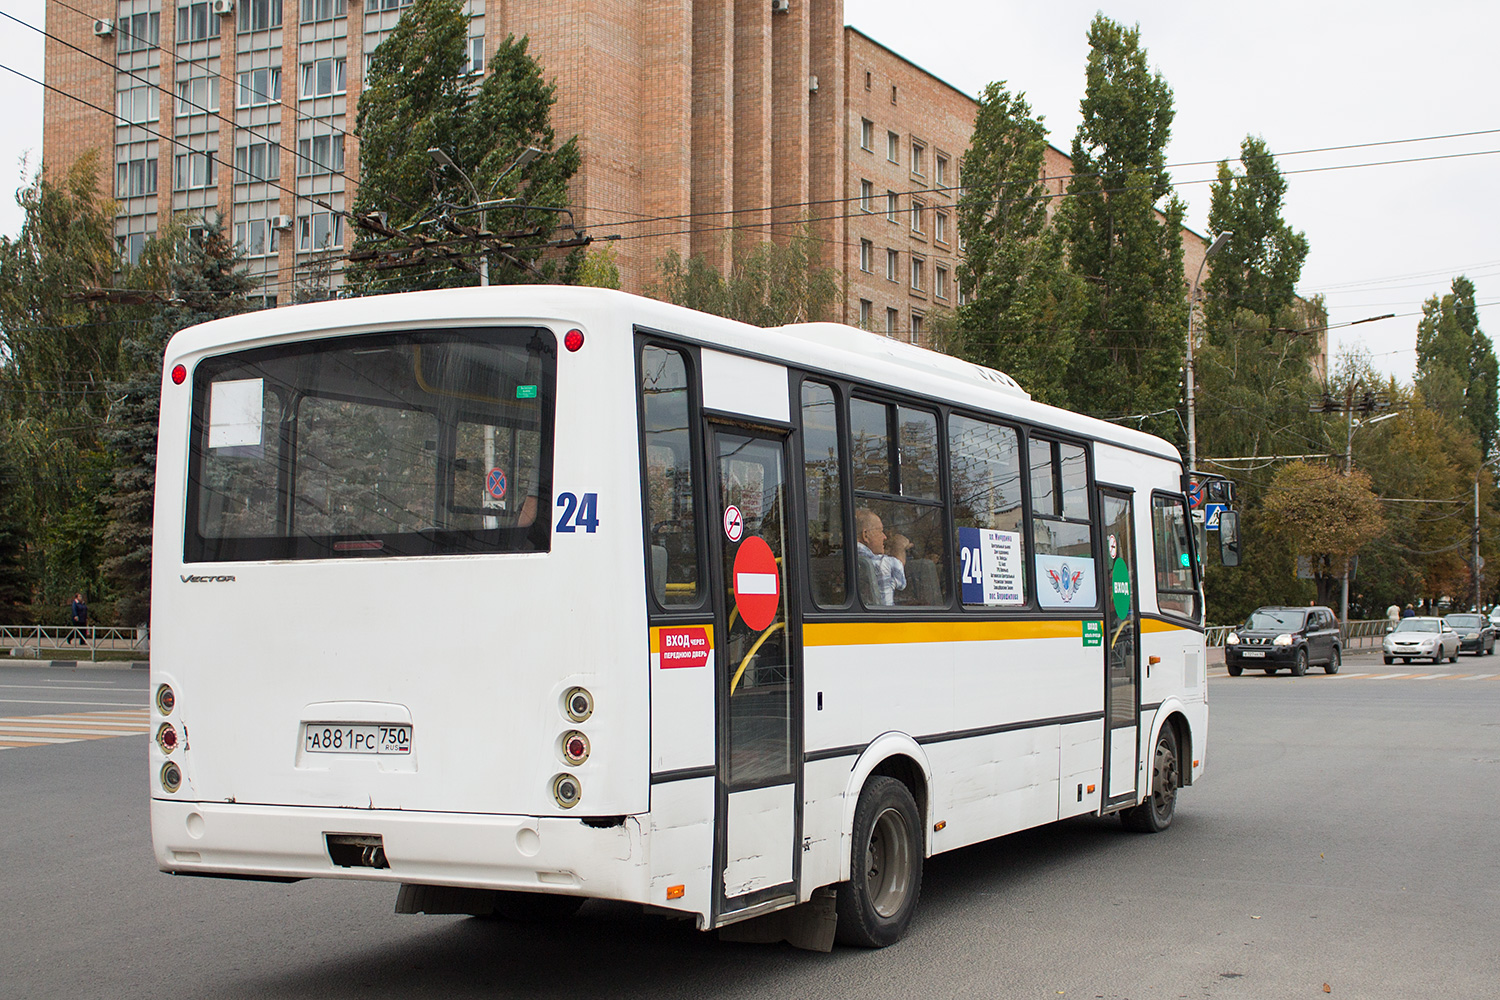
{"type": "Point", "coordinates": [1229, 538]}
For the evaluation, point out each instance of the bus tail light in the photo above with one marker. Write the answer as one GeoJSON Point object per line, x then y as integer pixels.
{"type": "Point", "coordinates": [575, 747]}
{"type": "Point", "coordinates": [166, 738]}
{"type": "Point", "coordinates": [567, 790]}
{"type": "Point", "coordinates": [578, 704]}
{"type": "Point", "coordinates": [179, 374]}
{"type": "Point", "coordinates": [171, 777]}
{"type": "Point", "coordinates": [573, 340]}
{"type": "Point", "coordinates": [166, 699]}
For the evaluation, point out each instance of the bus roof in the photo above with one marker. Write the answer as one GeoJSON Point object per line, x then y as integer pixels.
{"type": "Point", "coordinates": [828, 347]}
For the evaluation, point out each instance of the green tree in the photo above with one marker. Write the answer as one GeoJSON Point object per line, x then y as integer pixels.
{"type": "Point", "coordinates": [1023, 304]}
{"type": "Point", "coordinates": [1131, 343]}
{"type": "Point", "coordinates": [1259, 268]}
{"type": "Point", "coordinates": [1456, 365]}
{"type": "Point", "coordinates": [417, 97]}
{"type": "Point", "coordinates": [207, 281]}
{"type": "Point", "coordinates": [771, 284]}
{"type": "Point", "coordinates": [1317, 512]}
{"type": "Point", "coordinates": [599, 269]}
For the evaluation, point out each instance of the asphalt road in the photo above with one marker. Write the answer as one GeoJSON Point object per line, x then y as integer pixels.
{"type": "Point", "coordinates": [1347, 832]}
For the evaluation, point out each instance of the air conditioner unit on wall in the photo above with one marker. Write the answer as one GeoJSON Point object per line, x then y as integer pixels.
{"type": "Point", "coordinates": [223, 6]}
{"type": "Point", "coordinates": [281, 222]}
{"type": "Point", "coordinates": [104, 26]}
{"type": "Point", "coordinates": [781, 6]}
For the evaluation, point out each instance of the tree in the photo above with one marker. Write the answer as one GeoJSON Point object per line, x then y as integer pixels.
{"type": "Point", "coordinates": [418, 97]}
{"type": "Point", "coordinates": [1130, 346]}
{"type": "Point", "coordinates": [1259, 268]}
{"type": "Point", "coordinates": [1456, 365]}
{"type": "Point", "coordinates": [770, 285]}
{"type": "Point", "coordinates": [208, 281]}
{"type": "Point", "coordinates": [1326, 516]}
{"type": "Point", "coordinates": [1023, 305]}
{"type": "Point", "coordinates": [598, 269]}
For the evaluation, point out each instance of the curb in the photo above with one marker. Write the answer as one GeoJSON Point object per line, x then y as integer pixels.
{"type": "Point", "coordinates": [77, 664]}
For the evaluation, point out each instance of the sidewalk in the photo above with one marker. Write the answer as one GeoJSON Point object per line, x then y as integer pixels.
{"type": "Point", "coordinates": [15, 661]}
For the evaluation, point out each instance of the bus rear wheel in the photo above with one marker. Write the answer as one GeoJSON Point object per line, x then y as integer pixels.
{"type": "Point", "coordinates": [1155, 814]}
{"type": "Point", "coordinates": [875, 906]}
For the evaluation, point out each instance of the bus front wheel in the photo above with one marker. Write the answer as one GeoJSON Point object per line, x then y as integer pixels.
{"type": "Point", "coordinates": [875, 906]}
{"type": "Point", "coordinates": [1155, 814]}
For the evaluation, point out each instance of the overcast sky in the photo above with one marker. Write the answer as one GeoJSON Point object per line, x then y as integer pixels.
{"type": "Point", "coordinates": [1306, 75]}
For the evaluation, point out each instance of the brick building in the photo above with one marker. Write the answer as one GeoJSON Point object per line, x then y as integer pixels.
{"type": "Point", "coordinates": [697, 119]}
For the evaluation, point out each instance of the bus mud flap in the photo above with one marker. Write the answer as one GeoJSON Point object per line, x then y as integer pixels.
{"type": "Point", "coordinates": [809, 926]}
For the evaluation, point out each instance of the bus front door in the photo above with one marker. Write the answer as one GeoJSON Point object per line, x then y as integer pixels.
{"type": "Point", "coordinates": [1122, 703]}
{"type": "Point", "coordinates": [759, 676]}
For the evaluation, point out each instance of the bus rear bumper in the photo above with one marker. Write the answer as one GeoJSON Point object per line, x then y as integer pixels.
{"type": "Point", "coordinates": [526, 853]}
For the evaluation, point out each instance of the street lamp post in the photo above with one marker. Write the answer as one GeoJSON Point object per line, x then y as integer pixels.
{"type": "Point", "coordinates": [1192, 421]}
{"type": "Point", "coordinates": [442, 159]}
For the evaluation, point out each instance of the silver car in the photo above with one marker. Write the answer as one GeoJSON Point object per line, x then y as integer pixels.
{"type": "Point", "coordinates": [1418, 637]}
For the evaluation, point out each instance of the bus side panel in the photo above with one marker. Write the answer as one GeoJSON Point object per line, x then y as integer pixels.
{"type": "Point", "coordinates": [1080, 786]}
{"type": "Point", "coordinates": [682, 846]}
{"type": "Point", "coordinates": [988, 786]}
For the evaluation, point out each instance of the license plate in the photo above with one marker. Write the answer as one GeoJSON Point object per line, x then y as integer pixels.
{"type": "Point", "coordinates": [1253, 654]}
{"type": "Point", "coordinates": [343, 737]}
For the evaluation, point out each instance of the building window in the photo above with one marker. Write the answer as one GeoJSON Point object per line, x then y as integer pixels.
{"type": "Point", "coordinates": [866, 313]}
{"type": "Point", "coordinates": [918, 158]}
{"type": "Point", "coordinates": [940, 282]}
{"type": "Point", "coordinates": [892, 265]}
{"type": "Point", "coordinates": [866, 196]}
{"type": "Point", "coordinates": [916, 215]}
{"type": "Point", "coordinates": [866, 255]}
{"type": "Point", "coordinates": [137, 105]}
{"type": "Point", "coordinates": [131, 246]}
{"type": "Point", "coordinates": [322, 154]}
{"type": "Point", "coordinates": [198, 96]}
{"type": "Point", "coordinates": [260, 15]}
{"type": "Point", "coordinates": [323, 10]}
{"type": "Point", "coordinates": [194, 170]}
{"type": "Point", "coordinates": [323, 78]}
{"type": "Point", "coordinates": [259, 161]}
{"type": "Point", "coordinates": [139, 32]}
{"type": "Point", "coordinates": [891, 211]}
{"type": "Point", "coordinates": [867, 134]}
{"type": "Point", "coordinates": [916, 328]}
{"type": "Point", "coordinates": [320, 231]}
{"type": "Point", "coordinates": [916, 273]}
{"type": "Point", "coordinates": [259, 86]}
{"type": "Point", "coordinates": [940, 173]}
{"type": "Point", "coordinates": [892, 321]}
{"type": "Point", "coordinates": [258, 237]}
{"type": "Point", "coordinates": [893, 93]}
{"type": "Point", "coordinates": [135, 178]}
{"type": "Point", "coordinates": [194, 22]}
{"type": "Point", "coordinates": [474, 60]}
{"type": "Point", "coordinates": [940, 227]}
{"type": "Point", "coordinates": [893, 147]}
{"type": "Point", "coordinates": [867, 79]}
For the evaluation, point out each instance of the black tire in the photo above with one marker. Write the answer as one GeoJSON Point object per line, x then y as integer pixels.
{"type": "Point", "coordinates": [1234, 669]}
{"type": "Point", "coordinates": [1271, 671]}
{"type": "Point", "coordinates": [533, 907]}
{"type": "Point", "coordinates": [1155, 814]}
{"type": "Point", "coordinates": [1406, 660]}
{"type": "Point", "coordinates": [1335, 662]}
{"type": "Point", "coordinates": [1389, 660]}
{"type": "Point", "coordinates": [1299, 664]}
{"type": "Point", "coordinates": [875, 906]}
{"type": "Point", "coordinates": [1454, 657]}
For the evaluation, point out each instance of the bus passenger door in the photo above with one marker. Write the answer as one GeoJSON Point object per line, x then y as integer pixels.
{"type": "Point", "coordinates": [1122, 667]}
{"type": "Point", "coordinates": [759, 667]}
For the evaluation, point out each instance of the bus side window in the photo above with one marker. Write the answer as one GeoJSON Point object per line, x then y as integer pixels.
{"type": "Point", "coordinates": [672, 544]}
{"type": "Point", "coordinates": [987, 512]}
{"type": "Point", "coordinates": [1063, 535]}
{"type": "Point", "coordinates": [1176, 592]}
{"type": "Point", "coordinates": [822, 474]}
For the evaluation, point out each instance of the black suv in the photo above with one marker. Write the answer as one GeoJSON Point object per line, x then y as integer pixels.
{"type": "Point", "coordinates": [1272, 638]}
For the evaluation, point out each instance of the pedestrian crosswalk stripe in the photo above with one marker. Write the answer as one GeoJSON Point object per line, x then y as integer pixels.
{"type": "Point", "coordinates": [70, 727]}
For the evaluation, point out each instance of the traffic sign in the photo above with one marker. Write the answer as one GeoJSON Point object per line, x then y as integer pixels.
{"type": "Point", "coordinates": [1195, 494]}
{"type": "Point", "coordinates": [1211, 514]}
{"type": "Point", "coordinates": [757, 584]}
{"type": "Point", "coordinates": [734, 523]}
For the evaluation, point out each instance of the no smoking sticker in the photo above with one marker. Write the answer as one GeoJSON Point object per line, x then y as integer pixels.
{"type": "Point", "coordinates": [734, 523]}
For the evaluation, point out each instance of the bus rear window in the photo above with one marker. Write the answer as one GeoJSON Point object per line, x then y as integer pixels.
{"type": "Point", "coordinates": [422, 443]}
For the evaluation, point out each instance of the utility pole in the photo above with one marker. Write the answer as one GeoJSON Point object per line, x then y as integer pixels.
{"type": "Point", "coordinates": [1192, 420]}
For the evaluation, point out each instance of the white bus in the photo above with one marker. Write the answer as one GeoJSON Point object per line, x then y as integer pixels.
{"type": "Point", "coordinates": [523, 596]}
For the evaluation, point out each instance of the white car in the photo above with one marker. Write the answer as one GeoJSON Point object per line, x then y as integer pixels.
{"type": "Point", "coordinates": [1420, 637]}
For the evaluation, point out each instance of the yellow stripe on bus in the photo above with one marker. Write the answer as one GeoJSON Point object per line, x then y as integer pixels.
{"type": "Point", "coordinates": [892, 633]}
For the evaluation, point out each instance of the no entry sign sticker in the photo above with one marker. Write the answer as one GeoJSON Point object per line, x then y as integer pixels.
{"type": "Point", "coordinates": [757, 583]}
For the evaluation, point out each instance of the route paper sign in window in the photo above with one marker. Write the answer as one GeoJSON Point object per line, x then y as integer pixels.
{"type": "Point", "coordinates": [990, 567]}
{"type": "Point", "coordinates": [235, 410]}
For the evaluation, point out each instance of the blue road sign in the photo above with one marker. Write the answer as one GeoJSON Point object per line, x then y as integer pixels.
{"type": "Point", "coordinates": [1211, 512]}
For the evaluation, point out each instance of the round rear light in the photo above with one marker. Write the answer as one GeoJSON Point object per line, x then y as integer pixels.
{"type": "Point", "coordinates": [573, 340]}
{"type": "Point", "coordinates": [166, 737]}
{"type": "Point", "coordinates": [179, 374]}
{"type": "Point", "coordinates": [567, 790]}
{"type": "Point", "coordinates": [166, 700]}
{"type": "Point", "coordinates": [171, 777]}
{"type": "Point", "coordinates": [575, 747]}
{"type": "Point", "coordinates": [578, 704]}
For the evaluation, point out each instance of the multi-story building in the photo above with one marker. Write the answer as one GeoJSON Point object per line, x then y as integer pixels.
{"type": "Point", "coordinates": [700, 122]}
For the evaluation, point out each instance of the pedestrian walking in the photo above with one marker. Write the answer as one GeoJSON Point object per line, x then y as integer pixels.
{"type": "Point", "coordinates": [80, 618]}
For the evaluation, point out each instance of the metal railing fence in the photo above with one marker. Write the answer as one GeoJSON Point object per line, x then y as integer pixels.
{"type": "Point", "coordinates": [1361, 634]}
{"type": "Point", "coordinates": [31, 640]}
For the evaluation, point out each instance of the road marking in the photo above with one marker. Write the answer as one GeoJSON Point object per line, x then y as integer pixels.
{"type": "Point", "coordinates": [40, 730]}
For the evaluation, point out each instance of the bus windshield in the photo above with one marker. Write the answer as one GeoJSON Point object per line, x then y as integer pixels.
{"type": "Point", "coordinates": [419, 443]}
